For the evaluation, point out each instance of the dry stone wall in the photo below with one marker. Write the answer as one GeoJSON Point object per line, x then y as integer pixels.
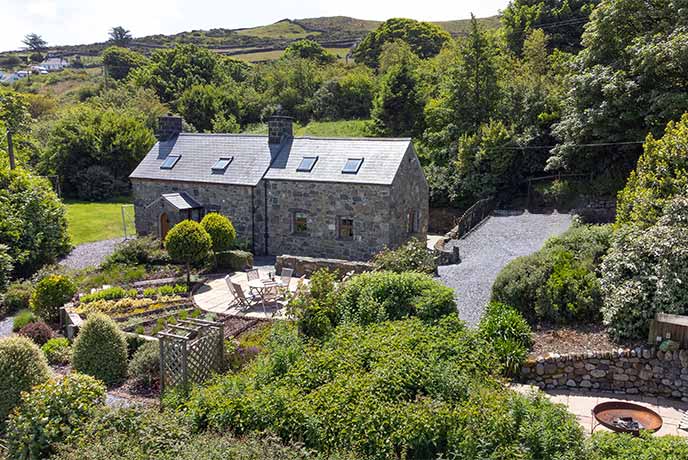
{"type": "Point", "coordinates": [646, 371]}
{"type": "Point", "coordinates": [308, 265]}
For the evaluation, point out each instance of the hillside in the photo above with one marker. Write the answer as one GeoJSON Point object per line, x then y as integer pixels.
{"type": "Point", "coordinates": [337, 33]}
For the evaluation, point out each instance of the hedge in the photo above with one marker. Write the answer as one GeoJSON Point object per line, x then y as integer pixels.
{"type": "Point", "coordinates": [100, 350]}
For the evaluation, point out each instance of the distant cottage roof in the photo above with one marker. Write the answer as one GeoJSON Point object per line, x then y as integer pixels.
{"type": "Point", "coordinates": [181, 201]}
{"type": "Point", "coordinates": [252, 158]}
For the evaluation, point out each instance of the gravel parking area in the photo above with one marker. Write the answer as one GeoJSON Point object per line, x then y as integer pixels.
{"type": "Point", "coordinates": [6, 326]}
{"type": "Point", "coordinates": [485, 251]}
{"type": "Point", "coordinates": [90, 254]}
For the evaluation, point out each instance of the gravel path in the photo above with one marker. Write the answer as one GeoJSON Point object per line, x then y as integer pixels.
{"type": "Point", "coordinates": [486, 250]}
{"type": "Point", "coordinates": [90, 254]}
{"type": "Point", "coordinates": [6, 326]}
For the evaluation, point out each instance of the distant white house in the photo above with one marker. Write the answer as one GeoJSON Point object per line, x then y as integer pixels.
{"type": "Point", "coordinates": [54, 64]}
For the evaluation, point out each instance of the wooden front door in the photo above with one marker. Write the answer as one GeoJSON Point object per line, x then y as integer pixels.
{"type": "Point", "coordinates": [164, 225]}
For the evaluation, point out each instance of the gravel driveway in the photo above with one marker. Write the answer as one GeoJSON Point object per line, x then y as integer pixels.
{"type": "Point", "coordinates": [90, 254]}
{"type": "Point", "coordinates": [486, 250]}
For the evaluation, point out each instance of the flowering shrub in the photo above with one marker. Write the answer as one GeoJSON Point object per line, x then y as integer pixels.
{"type": "Point", "coordinates": [125, 307]}
{"type": "Point", "coordinates": [645, 273]}
{"type": "Point", "coordinates": [413, 256]}
{"type": "Point", "coordinates": [51, 413]}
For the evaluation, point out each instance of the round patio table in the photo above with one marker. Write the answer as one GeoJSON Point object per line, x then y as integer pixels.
{"type": "Point", "coordinates": [262, 286]}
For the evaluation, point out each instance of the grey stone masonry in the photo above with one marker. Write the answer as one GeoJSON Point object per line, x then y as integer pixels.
{"type": "Point", "coordinates": [168, 127]}
{"type": "Point", "coordinates": [279, 129]}
{"type": "Point", "coordinates": [309, 265]}
{"type": "Point", "coordinates": [647, 371]}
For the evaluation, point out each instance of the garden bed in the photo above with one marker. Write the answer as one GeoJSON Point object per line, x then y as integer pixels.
{"type": "Point", "coordinates": [576, 338]}
{"type": "Point", "coordinates": [157, 320]}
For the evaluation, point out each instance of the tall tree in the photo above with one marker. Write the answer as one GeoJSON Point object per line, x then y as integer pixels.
{"type": "Point", "coordinates": [120, 36]}
{"type": "Point", "coordinates": [563, 20]}
{"type": "Point", "coordinates": [469, 97]}
{"type": "Point", "coordinates": [630, 79]}
{"type": "Point", "coordinates": [424, 38]}
{"type": "Point", "coordinates": [14, 115]}
{"type": "Point", "coordinates": [120, 61]}
{"type": "Point", "coordinates": [308, 49]}
{"type": "Point", "coordinates": [34, 42]}
{"type": "Point", "coordinates": [398, 106]}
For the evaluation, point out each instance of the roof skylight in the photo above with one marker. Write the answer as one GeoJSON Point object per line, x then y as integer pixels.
{"type": "Point", "coordinates": [220, 165]}
{"type": "Point", "coordinates": [170, 161]}
{"type": "Point", "coordinates": [307, 164]}
{"type": "Point", "coordinates": [352, 165]}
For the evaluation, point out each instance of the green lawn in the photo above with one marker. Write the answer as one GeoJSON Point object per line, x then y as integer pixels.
{"type": "Point", "coordinates": [340, 128]}
{"type": "Point", "coordinates": [90, 221]}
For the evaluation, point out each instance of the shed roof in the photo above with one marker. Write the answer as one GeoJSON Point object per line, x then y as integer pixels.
{"type": "Point", "coordinates": [254, 158]}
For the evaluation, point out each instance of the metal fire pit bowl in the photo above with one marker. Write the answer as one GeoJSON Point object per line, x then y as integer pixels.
{"type": "Point", "coordinates": [625, 417]}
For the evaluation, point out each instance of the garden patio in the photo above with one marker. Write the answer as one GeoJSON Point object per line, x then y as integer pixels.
{"type": "Point", "coordinates": [215, 295]}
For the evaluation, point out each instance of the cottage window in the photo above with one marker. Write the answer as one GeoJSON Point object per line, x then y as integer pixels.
{"type": "Point", "coordinates": [346, 228]}
{"type": "Point", "coordinates": [307, 164]}
{"type": "Point", "coordinates": [300, 224]}
{"type": "Point", "coordinates": [352, 165]}
{"type": "Point", "coordinates": [170, 161]}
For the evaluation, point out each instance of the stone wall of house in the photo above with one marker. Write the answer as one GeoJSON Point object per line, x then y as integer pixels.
{"type": "Point", "coordinates": [441, 220]}
{"type": "Point", "coordinates": [410, 192]}
{"type": "Point", "coordinates": [324, 203]}
{"type": "Point", "coordinates": [646, 371]}
{"type": "Point", "coordinates": [308, 265]}
{"type": "Point", "coordinates": [233, 201]}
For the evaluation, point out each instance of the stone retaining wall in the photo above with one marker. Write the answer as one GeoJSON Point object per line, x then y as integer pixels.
{"type": "Point", "coordinates": [308, 265]}
{"type": "Point", "coordinates": [446, 255]}
{"type": "Point", "coordinates": [646, 371]}
{"type": "Point", "coordinates": [597, 211]}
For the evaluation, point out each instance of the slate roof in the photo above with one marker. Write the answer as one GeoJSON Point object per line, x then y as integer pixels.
{"type": "Point", "coordinates": [181, 201]}
{"type": "Point", "coordinates": [199, 152]}
{"type": "Point", "coordinates": [252, 159]}
{"type": "Point", "coordinates": [381, 159]}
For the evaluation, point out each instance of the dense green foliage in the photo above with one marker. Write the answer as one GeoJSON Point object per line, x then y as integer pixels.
{"type": "Point", "coordinates": [412, 256]}
{"type": "Point", "coordinates": [39, 332]}
{"type": "Point", "coordinates": [144, 366]}
{"type": "Point", "coordinates": [22, 365]}
{"type": "Point", "coordinates": [391, 387]}
{"type": "Point", "coordinates": [188, 243]}
{"type": "Point", "coordinates": [100, 350]}
{"type": "Point", "coordinates": [425, 39]}
{"type": "Point", "coordinates": [659, 176]}
{"type": "Point", "coordinates": [32, 221]}
{"type": "Point", "coordinates": [644, 272]}
{"type": "Point", "coordinates": [16, 297]}
{"type": "Point", "coordinates": [308, 49]}
{"type": "Point", "coordinates": [614, 446]}
{"type": "Point", "coordinates": [118, 61]}
{"type": "Point", "coordinates": [628, 81]}
{"type": "Point", "coordinates": [560, 282]}
{"type": "Point", "coordinates": [144, 250]}
{"type": "Point", "coordinates": [509, 334]}
{"type": "Point", "coordinates": [57, 351]}
{"type": "Point", "coordinates": [564, 20]}
{"type": "Point", "coordinates": [221, 231]}
{"type": "Point", "coordinates": [93, 150]}
{"type": "Point", "coordinates": [53, 412]}
{"type": "Point", "coordinates": [50, 294]}
{"type": "Point", "coordinates": [398, 106]}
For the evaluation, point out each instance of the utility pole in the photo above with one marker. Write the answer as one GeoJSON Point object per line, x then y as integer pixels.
{"type": "Point", "coordinates": [10, 148]}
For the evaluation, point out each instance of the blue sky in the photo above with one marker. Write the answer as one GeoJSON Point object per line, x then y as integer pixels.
{"type": "Point", "coordinates": [68, 22]}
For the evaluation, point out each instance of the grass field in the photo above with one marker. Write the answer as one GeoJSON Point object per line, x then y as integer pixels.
{"type": "Point", "coordinates": [340, 128]}
{"type": "Point", "coordinates": [260, 56]}
{"type": "Point", "coordinates": [90, 221]}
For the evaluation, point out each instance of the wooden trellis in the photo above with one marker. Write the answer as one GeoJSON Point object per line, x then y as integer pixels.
{"type": "Point", "coordinates": [189, 352]}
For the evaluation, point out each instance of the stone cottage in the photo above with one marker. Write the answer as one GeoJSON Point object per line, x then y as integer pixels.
{"type": "Point", "coordinates": [344, 198]}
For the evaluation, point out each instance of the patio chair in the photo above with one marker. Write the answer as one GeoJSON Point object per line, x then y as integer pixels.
{"type": "Point", "coordinates": [299, 285]}
{"type": "Point", "coordinates": [253, 275]}
{"type": "Point", "coordinates": [285, 277]}
{"type": "Point", "coordinates": [241, 299]}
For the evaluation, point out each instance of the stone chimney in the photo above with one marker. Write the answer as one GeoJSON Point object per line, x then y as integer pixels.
{"type": "Point", "coordinates": [279, 129]}
{"type": "Point", "coordinates": [169, 127]}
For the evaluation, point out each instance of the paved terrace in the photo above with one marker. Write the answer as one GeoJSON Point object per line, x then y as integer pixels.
{"type": "Point", "coordinates": [488, 248]}
{"type": "Point", "coordinates": [214, 296]}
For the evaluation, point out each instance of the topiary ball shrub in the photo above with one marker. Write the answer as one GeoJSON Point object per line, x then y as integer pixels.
{"type": "Point", "coordinates": [23, 318]}
{"type": "Point", "coordinates": [188, 243]}
{"type": "Point", "coordinates": [144, 367]}
{"type": "Point", "coordinates": [100, 350]}
{"type": "Point", "coordinates": [51, 293]}
{"type": "Point", "coordinates": [508, 332]}
{"type": "Point", "coordinates": [221, 231]}
{"type": "Point", "coordinates": [58, 351]}
{"type": "Point", "coordinates": [39, 332]}
{"type": "Point", "coordinates": [235, 260]}
{"type": "Point", "coordinates": [22, 365]}
{"type": "Point", "coordinates": [51, 413]}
